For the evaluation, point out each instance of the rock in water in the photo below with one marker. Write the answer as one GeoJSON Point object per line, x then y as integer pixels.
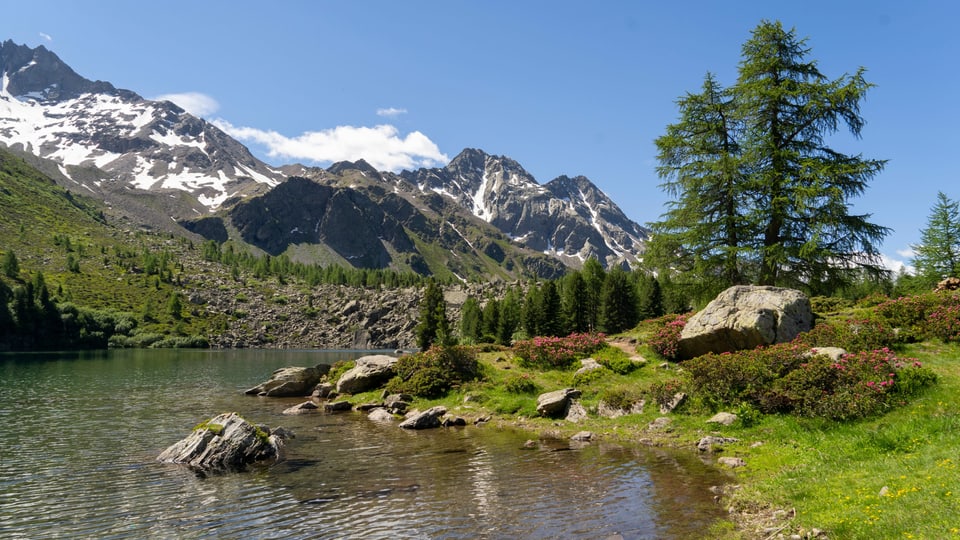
{"type": "Point", "coordinates": [425, 420]}
{"type": "Point", "coordinates": [226, 442]}
{"type": "Point", "coordinates": [291, 382]}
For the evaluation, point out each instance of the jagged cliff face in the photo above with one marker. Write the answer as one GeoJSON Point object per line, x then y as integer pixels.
{"type": "Point", "coordinates": [49, 111]}
{"type": "Point", "coordinates": [155, 165]}
{"type": "Point", "coordinates": [569, 218]}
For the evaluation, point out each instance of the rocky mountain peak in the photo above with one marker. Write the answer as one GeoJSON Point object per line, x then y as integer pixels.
{"type": "Point", "coordinates": [135, 147]}
{"type": "Point", "coordinates": [40, 74]}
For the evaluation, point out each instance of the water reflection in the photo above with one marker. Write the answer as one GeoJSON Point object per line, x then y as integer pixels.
{"type": "Point", "coordinates": [83, 431]}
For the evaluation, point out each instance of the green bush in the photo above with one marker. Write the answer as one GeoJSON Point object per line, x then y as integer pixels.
{"type": "Point", "coordinates": [589, 377]}
{"type": "Point", "coordinates": [853, 335]}
{"type": "Point", "coordinates": [434, 372]}
{"type": "Point", "coordinates": [620, 397]}
{"type": "Point", "coordinates": [731, 378]}
{"type": "Point", "coordinates": [662, 392]}
{"type": "Point", "coordinates": [520, 384]}
{"type": "Point", "coordinates": [338, 368]}
{"type": "Point", "coordinates": [621, 365]}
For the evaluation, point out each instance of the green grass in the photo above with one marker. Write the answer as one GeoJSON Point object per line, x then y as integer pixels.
{"type": "Point", "coordinates": [892, 476]}
{"type": "Point", "coordinates": [895, 476]}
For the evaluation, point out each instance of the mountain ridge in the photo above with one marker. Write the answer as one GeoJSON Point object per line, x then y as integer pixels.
{"type": "Point", "coordinates": [155, 164]}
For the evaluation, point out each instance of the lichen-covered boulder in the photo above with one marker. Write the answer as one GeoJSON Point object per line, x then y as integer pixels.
{"type": "Point", "coordinates": [291, 382]}
{"type": "Point", "coordinates": [368, 373]}
{"type": "Point", "coordinates": [226, 442]}
{"type": "Point", "coordinates": [744, 317]}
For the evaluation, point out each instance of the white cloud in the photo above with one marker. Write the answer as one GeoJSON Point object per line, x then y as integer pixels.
{"type": "Point", "coordinates": [380, 146]}
{"type": "Point", "coordinates": [194, 103]}
{"type": "Point", "coordinates": [908, 253]}
{"type": "Point", "coordinates": [896, 264]}
{"type": "Point", "coordinates": [46, 37]}
{"type": "Point", "coordinates": [391, 111]}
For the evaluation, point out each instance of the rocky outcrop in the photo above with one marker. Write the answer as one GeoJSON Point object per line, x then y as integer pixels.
{"type": "Point", "coordinates": [744, 317]}
{"type": "Point", "coordinates": [226, 442]}
{"type": "Point", "coordinates": [291, 382]}
{"type": "Point", "coordinates": [427, 419]}
{"type": "Point", "coordinates": [369, 372]}
{"type": "Point", "coordinates": [948, 284]}
{"type": "Point", "coordinates": [555, 404]}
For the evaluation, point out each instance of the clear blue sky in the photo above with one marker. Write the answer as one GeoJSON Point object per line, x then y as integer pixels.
{"type": "Point", "coordinates": [575, 88]}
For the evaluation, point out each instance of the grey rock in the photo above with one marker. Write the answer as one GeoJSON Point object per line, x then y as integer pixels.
{"type": "Point", "coordinates": [290, 382]}
{"type": "Point", "coordinates": [722, 418]}
{"type": "Point", "coordinates": [337, 406]}
{"type": "Point", "coordinates": [608, 411]}
{"type": "Point", "coordinates": [306, 407]}
{"type": "Point", "coordinates": [660, 424]}
{"type": "Point", "coordinates": [587, 364]}
{"type": "Point", "coordinates": [552, 404]}
{"type": "Point", "coordinates": [834, 353]}
{"type": "Point", "coordinates": [733, 462]}
{"type": "Point", "coordinates": [368, 373]}
{"type": "Point", "coordinates": [582, 436]}
{"type": "Point", "coordinates": [575, 411]}
{"type": "Point", "coordinates": [711, 442]}
{"type": "Point", "coordinates": [225, 442]}
{"type": "Point", "coordinates": [678, 398]}
{"type": "Point", "coordinates": [380, 415]}
{"type": "Point", "coordinates": [744, 317]}
{"type": "Point", "coordinates": [426, 419]}
{"type": "Point", "coordinates": [324, 390]}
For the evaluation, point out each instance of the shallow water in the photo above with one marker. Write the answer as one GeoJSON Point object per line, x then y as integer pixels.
{"type": "Point", "coordinates": [82, 432]}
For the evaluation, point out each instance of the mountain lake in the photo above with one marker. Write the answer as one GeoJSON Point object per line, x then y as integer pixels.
{"type": "Point", "coordinates": [83, 430]}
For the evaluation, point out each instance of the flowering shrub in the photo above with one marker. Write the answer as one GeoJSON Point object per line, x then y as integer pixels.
{"type": "Point", "coordinates": [912, 315]}
{"type": "Point", "coordinates": [783, 378]}
{"type": "Point", "coordinates": [944, 322]}
{"type": "Point", "coordinates": [745, 376]}
{"type": "Point", "coordinates": [556, 352]}
{"type": "Point", "coordinates": [855, 386]}
{"type": "Point", "coordinates": [666, 341]}
{"type": "Point", "coordinates": [854, 335]}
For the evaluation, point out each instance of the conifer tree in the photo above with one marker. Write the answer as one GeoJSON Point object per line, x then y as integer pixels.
{"type": "Point", "coordinates": [433, 317]}
{"type": "Point", "coordinates": [937, 256]}
{"type": "Point", "coordinates": [11, 266]}
{"type": "Point", "coordinates": [619, 301]}
{"type": "Point", "coordinates": [753, 162]}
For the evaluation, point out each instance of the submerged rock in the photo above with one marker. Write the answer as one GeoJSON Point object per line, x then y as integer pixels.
{"type": "Point", "coordinates": [226, 442]}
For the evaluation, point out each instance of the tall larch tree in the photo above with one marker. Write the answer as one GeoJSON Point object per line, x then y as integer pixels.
{"type": "Point", "coordinates": [752, 163]}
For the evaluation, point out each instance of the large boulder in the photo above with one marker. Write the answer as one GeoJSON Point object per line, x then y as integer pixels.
{"type": "Point", "coordinates": [556, 403]}
{"type": "Point", "coordinates": [369, 373]}
{"type": "Point", "coordinates": [225, 442]}
{"type": "Point", "coordinates": [744, 317]}
{"type": "Point", "coordinates": [291, 382]}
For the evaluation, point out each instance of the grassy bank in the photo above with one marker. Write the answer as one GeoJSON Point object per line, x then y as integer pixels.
{"type": "Point", "coordinates": [889, 476]}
